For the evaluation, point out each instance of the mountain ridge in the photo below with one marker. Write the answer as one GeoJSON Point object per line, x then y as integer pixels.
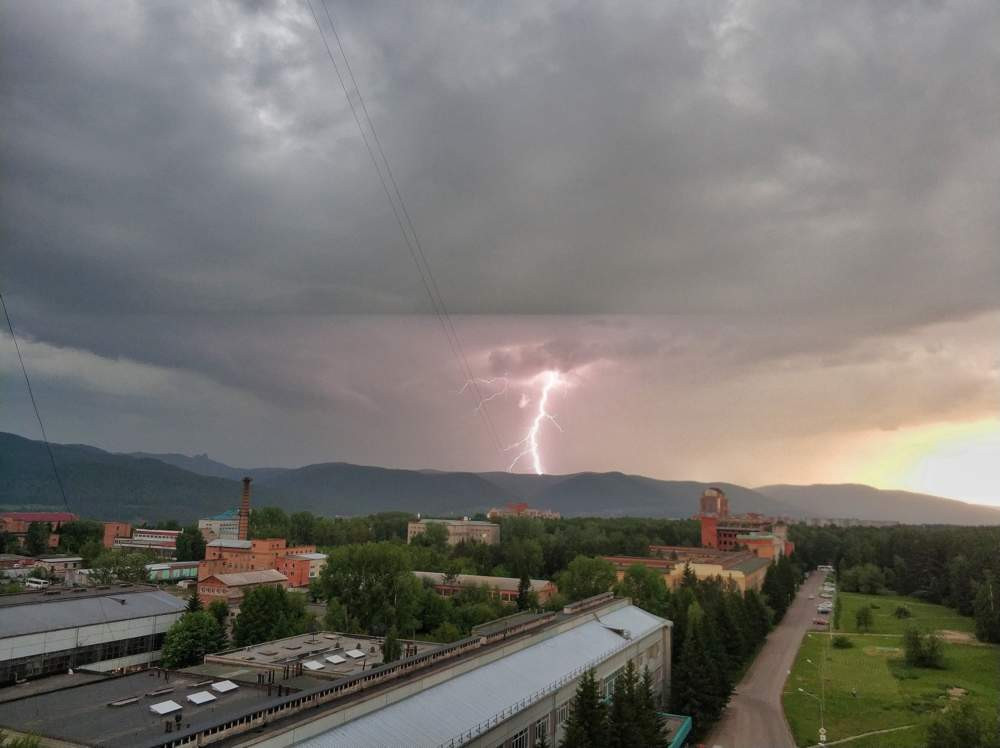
{"type": "Point", "coordinates": [141, 486]}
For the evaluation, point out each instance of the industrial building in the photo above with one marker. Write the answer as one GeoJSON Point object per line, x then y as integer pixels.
{"type": "Point", "coordinates": [223, 526]}
{"type": "Point", "coordinates": [503, 588]}
{"type": "Point", "coordinates": [766, 537]}
{"type": "Point", "coordinates": [230, 588]}
{"type": "Point", "coordinates": [172, 571]}
{"type": "Point", "coordinates": [742, 568]}
{"type": "Point", "coordinates": [521, 509]}
{"type": "Point", "coordinates": [503, 686]}
{"type": "Point", "coordinates": [107, 628]}
{"type": "Point", "coordinates": [459, 530]}
{"type": "Point", "coordinates": [162, 543]}
{"type": "Point", "coordinates": [17, 524]}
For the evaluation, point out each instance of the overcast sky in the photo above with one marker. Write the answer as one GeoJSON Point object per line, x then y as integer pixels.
{"type": "Point", "coordinates": [759, 240]}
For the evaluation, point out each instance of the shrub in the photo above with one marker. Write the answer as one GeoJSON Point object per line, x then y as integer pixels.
{"type": "Point", "coordinates": [922, 650]}
{"type": "Point", "coordinates": [842, 642]}
{"type": "Point", "coordinates": [902, 612]}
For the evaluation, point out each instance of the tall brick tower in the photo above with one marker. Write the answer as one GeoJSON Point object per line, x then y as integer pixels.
{"type": "Point", "coordinates": [245, 510]}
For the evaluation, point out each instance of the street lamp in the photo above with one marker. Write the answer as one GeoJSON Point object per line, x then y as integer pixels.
{"type": "Point", "coordinates": [822, 723]}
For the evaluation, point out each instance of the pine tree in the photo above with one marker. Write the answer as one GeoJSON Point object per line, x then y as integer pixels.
{"type": "Point", "coordinates": [194, 602]}
{"type": "Point", "coordinates": [695, 680]}
{"type": "Point", "coordinates": [523, 590]}
{"type": "Point", "coordinates": [587, 726]}
{"type": "Point", "coordinates": [391, 650]}
{"type": "Point", "coordinates": [648, 717]}
{"type": "Point", "coordinates": [623, 724]}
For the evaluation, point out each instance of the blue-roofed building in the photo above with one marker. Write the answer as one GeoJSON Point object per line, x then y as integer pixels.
{"type": "Point", "coordinates": [223, 526]}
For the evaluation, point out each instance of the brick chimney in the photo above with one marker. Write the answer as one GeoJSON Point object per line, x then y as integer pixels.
{"type": "Point", "coordinates": [245, 510]}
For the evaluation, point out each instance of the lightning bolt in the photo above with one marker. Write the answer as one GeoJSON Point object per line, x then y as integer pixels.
{"type": "Point", "coordinates": [488, 383]}
{"type": "Point", "coordinates": [529, 444]}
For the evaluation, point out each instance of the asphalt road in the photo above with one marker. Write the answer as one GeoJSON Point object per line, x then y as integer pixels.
{"type": "Point", "coordinates": [754, 717]}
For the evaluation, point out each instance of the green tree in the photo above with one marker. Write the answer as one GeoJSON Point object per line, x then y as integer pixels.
{"type": "Point", "coordinates": [587, 726]}
{"type": "Point", "coordinates": [194, 602]}
{"type": "Point", "coordinates": [586, 577]}
{"type": "Point", "coordinates": [190, 544]}
{"type": "Point", "coordinates": [392, 650]}
{"type": "Point", "coordinates": [36, 539]}
{"type": "Point", "coordinates": [646, 588]}
{"type": "Point", "coordinates": [623, 717]}
{"type": "Point", "coordinates": [374, 584]}
{"type": "Point", "coordinates": [863, 618]}
{"type": "Point", "coordinates": [219, 610]}
{"type": "Point", "coordinates": [696, 680]}
{"type": "Point", "coordinates": [190, 639]}
{"type": "Point", "coordinates": [435, 536]}
{"type": "Point", "coordinates": [647, 715]}
{"type": "Point", "coordinates": [121, 566]}
{"type": "Point", "coordinates": [961, 726]}
{"type": "Point", "coordinates": [987, 609]}
{"type": "Point", "coordinates": [524, 593]}
{"type": "Point", "coordinates": [73, 536]}
{"type": "Point", "coordinates": [922, 650]}
{"type": "Point", "coordinates": [268, 613]}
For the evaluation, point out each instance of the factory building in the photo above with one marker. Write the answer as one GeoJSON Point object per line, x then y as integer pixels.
{"type": "Point", "coordinates": [521, 509]}
{"type": "Point", "coordinates": [504, 686]}
{"type": "Point", "coordinates": [230, 588]}
{"type": "Point", "coordinates": [766, 537]}
{"type": "Point", "coordinates": [742, 568]}
{"type": "Point", "coordinates": [502, 588]}
{"type": "Point", "coordinates": [223, 526]}
{"type": "Point", "coordinates": [17, 524]}
{"type": "Point", "coordinates": [459, 530]}
{"type": "Point", "coordinates": [43, 633]}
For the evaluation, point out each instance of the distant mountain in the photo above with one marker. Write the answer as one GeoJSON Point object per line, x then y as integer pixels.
{"type": "Point", "coordinates": [203, 465]}
{"type": "Point", "coordinates": [102, 485]}
{"type": "Point", "coordinates": [140, 486]}
{"type": "Point", "coordinates": [864, 502]}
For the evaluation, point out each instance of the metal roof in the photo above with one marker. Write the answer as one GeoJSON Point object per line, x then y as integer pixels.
{"type": "Point", "coordinates": [508, 584]}
{"type": "Point", "coordinates": [243, 578]}
{"type": "Point", "coordinates": [441, 712]}
{"type": "Point", "coordinates": [222, 542]}
{"type": "Point", "coordinates": [67, 613]}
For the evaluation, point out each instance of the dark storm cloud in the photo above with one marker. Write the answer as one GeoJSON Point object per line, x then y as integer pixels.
{"type": "Point", "coordinates": [183, 186]}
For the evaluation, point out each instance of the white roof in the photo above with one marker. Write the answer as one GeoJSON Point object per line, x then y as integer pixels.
{"type": "Point", "coordinates": [313, 665]}
{"type": "Point", "coordinates": [224, 686]}
{"type": "Point", "coordinates": [336, 659]}
{"type": "Point", "coordinates": [164, 707]}
{"type": "Point", "coordinates": [440, 713]}
{"type": "Point", "coordinates": [230, 543]}
{"type": "Point", "coordinates": [201, 697]}
{"type": "Point", "coordinates": [355, 653]}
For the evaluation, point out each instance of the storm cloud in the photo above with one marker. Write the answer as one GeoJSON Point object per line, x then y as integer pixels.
{"type": "Point", "coordinates": [776, 216]}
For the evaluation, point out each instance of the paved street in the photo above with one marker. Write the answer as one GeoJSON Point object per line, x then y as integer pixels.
{"type": "Point", "coordinates": [754, 717]}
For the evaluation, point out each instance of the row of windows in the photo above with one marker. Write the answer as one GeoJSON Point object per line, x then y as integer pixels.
{"type": "Point", "coordinates": [51, 663]}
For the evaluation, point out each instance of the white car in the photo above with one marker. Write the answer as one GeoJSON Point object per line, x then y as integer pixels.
{"type": "Point", "coordinates": [812, 597]}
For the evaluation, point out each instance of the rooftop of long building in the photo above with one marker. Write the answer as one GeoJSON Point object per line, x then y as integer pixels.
{"type": "Point", "coordinates": [116, 711]}
{"type": "Point", "coordinates": [55, 608]}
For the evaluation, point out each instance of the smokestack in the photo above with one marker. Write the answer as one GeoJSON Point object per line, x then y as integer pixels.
{"type": "Point", "coordinates": [245, 510]}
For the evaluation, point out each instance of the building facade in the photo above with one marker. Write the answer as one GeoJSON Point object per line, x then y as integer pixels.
{"type": "Point", "coordinates": [459, 530]}
{"type": "Point", "coordinates": [115, 530]}
{"type": "Point", "coordinates": [172, 571]}
{"type": "Point", "coordinates": [234, 556]}
{"type": "Point", "coordinates": [230, 588]}
{"type": "Point", "coordinates": [301, 568]}
{"type": "Point", "coordinates": [502, 588]}
{"type": "Point", "coordinates": [44, 633]}
{"type": "Point", "coordinates": [742, 568]}
{"type": "Point", "coordinates": [765, 536]}
{"type": "Point", "coordinates": [521, 509]}
{"type": "Point", "coordinates": [17, 524]}
{"type": "Point", "coordinates": [162, 543]}
{"type": "Point", "coordinates": [224, 526]}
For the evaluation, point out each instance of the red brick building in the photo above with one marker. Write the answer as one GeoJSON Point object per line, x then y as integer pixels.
{"type": "Point", "coordinates": [765, 536]}
{"type": "Point", "coordinates": [17, 523]}
{"type": "Point", "coordinates": [230, 588]}
{"type": "Point", "coordinates": [234, 556]}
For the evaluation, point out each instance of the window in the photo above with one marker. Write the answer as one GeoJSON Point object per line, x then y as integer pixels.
{"type": "Point", "coordinates": [562, 712]}
{"type": "Point", "coordinates": [520, 739]}
{"type": "Point", "coordinates": [542, 727]}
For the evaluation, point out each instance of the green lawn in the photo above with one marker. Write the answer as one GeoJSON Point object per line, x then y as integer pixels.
{"type": "Point", "coordinates": [888, 693]}
{"type": "Point", "coordinates": [926, 616]}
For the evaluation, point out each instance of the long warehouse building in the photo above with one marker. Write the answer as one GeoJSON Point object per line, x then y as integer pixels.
{"type": "Point", "coordinates": [110, 628]}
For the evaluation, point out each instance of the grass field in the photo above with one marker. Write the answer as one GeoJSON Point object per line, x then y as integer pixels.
{"type": "Point", "coordinates": [888, 693]}
{"type": "Point", "coordinates": [926, 616]}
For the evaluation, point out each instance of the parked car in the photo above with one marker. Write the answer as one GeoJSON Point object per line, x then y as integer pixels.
{"type": "Point", "coordinates": [821, 621]}
{"type": "Point", "coordinates": [812, 597]}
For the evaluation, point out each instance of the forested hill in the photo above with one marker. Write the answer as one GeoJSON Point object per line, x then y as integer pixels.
{"type": "Point", "coordinates": [152, 487]}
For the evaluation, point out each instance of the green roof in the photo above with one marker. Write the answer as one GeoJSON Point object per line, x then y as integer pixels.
{"type": "Point", "coordinates": [751, 565]}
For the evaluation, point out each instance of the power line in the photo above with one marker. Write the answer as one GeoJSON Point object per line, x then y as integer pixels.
{"type": "Point", "coordinates": [34, 404]}
{"type": "Point", "coordinates": [401, 214]}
